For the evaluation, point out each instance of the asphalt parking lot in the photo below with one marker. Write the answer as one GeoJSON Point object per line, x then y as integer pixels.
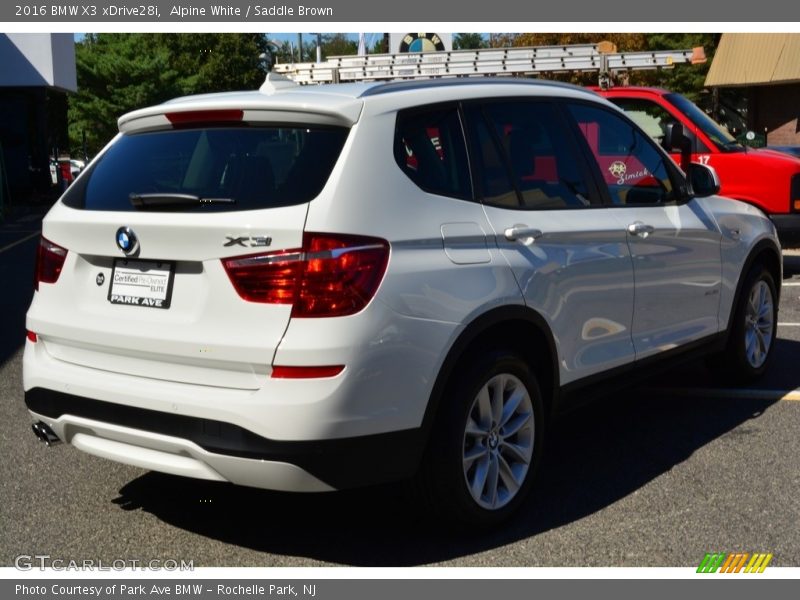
{"type": "Point", "coordinates": [655, 477]}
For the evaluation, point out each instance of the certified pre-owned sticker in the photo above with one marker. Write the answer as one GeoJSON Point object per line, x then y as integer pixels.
{"type": "Point", "coordinates": [141, 283]}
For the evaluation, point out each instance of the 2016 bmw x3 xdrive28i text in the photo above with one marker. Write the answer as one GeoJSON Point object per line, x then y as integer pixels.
{"type": "Point", "coordinates": [315, 288]}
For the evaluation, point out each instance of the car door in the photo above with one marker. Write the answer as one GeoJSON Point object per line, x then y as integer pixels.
{"type": "Point", "coordinates": [568, 254]}
{"type": "Point", "coordinates": [674, 244]}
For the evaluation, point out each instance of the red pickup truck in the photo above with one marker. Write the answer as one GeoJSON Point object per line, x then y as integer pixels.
{"type": "Point", "coordinates": [764, 178]}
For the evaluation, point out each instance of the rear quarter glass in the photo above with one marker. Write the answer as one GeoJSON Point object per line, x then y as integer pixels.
{"type": "Point", "coordinates": [254, 167]}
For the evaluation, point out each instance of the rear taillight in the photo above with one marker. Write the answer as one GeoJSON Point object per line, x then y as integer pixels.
{"type": "Point", "coordinates": [50, 259]}
{"type": "Point", "coordinates": [794, 193]}
{"type": "Point", "coordinates": [31, 336]}
{"type": "Point", "coordinates": [332, 275]}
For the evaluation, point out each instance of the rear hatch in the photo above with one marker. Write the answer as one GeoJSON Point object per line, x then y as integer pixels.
{"type": "Point", "coordinates": [143, 289]}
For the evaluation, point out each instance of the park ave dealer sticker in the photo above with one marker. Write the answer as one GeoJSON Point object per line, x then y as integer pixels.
{"type": "Point", "coordinates": [141, 283]}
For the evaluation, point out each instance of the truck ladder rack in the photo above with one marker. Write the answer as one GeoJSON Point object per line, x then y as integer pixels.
{"type": "Point", "coordinates": [599, 58]}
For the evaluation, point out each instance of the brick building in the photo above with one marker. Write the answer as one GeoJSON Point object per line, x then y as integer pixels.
{"type": "Point", "coordinates": [766, 68]}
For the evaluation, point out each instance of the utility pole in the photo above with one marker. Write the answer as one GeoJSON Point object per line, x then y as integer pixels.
{"type": "Point", "coordinates": [319, 46]}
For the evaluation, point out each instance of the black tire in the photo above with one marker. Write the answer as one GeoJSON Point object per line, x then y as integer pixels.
{"type": "Point", "coordinates": [443, 475]}
{"type": "Point", "coordinates": [739, 362]}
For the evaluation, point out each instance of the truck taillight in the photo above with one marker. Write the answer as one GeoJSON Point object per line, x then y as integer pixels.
{"type": "Point", "coordinates": [50, 259]}
{"type": "Point", "coordinates": [332, 275]}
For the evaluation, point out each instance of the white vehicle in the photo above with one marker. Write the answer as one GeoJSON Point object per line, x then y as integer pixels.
{"type": "Point", "coordinates": [314, 288]}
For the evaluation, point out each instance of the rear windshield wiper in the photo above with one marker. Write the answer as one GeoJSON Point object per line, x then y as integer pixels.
{"type": "Point", "coordinates": [163, 200]}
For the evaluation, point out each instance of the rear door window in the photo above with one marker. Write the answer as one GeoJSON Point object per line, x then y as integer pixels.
{"type": "Point", "coordinates": [226, 169]}
{"type": "Point", "coordinates": [524, 160]}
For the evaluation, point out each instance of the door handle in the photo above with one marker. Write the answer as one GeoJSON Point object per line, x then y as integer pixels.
{"type": "Point", "coordinates": [640, 229]}
{"type": "Point", "coordinates": [523, 233]}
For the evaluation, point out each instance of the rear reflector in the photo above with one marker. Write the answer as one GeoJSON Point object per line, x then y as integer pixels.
{"type": "Point", "coordinates": [50, 259]}
{"type": "Point", "coordinates": [206, 117]}
{"type": "Point", "coordinates": [332, 275]}
{"type": "Point", "coordinates": [306, 372]}
{"type": "Point", "coordinates": [32, 336]}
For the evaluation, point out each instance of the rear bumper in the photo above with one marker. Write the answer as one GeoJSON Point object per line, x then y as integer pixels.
{"type": "Point", "coordinates": [360, 427]}
{"type": "Point", "coordinates": [788, 227]}
{"type": "Point", "coordinates": [215, 450]}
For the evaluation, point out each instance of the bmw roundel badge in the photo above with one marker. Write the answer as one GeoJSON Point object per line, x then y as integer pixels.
{"type": "Point", "coordinates": [127, 240]}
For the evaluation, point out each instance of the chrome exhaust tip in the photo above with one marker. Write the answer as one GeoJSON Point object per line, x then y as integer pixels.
{"type": "Point", "coordinates": [45, 434]}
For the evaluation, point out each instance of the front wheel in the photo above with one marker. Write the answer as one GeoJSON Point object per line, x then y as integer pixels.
{"type": "Point", "coordinates": [487, 441]}
{"type": "Point", "coordinates": [753, 328]}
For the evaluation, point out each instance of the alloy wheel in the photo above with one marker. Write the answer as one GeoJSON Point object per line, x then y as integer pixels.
{"type": "Point", "coordinates": [498, 441]}
{"type": "Point", "coordinates": [759, 324]}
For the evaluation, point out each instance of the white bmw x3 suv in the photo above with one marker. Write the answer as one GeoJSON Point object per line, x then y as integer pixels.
{"type": "Point", "coordinates": [314, 288]}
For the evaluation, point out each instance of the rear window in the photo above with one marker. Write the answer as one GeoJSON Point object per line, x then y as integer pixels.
{"type": "Point", "coordinates": [214, 169]}
{"type": "Point", "coordinates": [429, 148]}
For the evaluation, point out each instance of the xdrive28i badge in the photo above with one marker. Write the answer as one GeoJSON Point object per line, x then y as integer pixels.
{"type": "Point", "coordinates": [127, 240]}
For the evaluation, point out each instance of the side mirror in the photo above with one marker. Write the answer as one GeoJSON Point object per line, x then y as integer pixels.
{"type": "Point", "coordinates": [703, 180]}
{"type": "Point", "coordinates": [674, 138]}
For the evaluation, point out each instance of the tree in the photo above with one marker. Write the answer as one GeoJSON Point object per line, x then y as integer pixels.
{"type": "Point", "coordinates": [215, 62]}
{"type": "Point", "coordinates": [337, 44]}
{"type": "Point", "coordinates": [685, 79]}
{"type": "Point", "coordinates": [623, 41]}
{"type": "Point", "coordinates": [116, 72]}
{"type": "Point", "coordinates": [468, 41]}
{"type": "Point", "coordinates": [380, 46]}
{"type": "Point", "coordinates": [119, 72]}
{"type": "Point", "coordinates": [285, 53]}
{"type": "Point", "coordinates": [502, 40]}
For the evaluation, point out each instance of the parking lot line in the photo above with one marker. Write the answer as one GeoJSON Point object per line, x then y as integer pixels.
{"type": "Point", "coordinates": [18, 242]}
{"type": "Point", "coordinates": [791, 284]}
{"type": "Point", "coordinates": [731, 393]}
